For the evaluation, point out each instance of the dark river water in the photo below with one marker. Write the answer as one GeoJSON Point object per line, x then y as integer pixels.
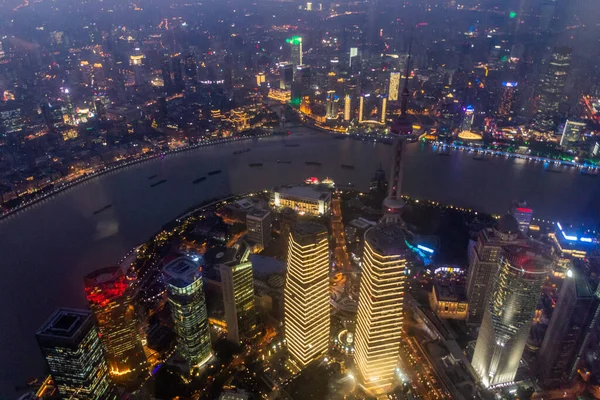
{"type": "Point", "coordinates": [47, 249]}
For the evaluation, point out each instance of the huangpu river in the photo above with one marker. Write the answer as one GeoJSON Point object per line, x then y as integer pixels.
{"type": "Point", "coordinates": [46, 249]}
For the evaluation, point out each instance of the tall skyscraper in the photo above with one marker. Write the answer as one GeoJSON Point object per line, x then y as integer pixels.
{"type": "Point", "coordinates": [568, 333]}
{"type": "Point", "coordinates": [521, 211]}
{"type": "Point", "coordinates": [380, 307]}
{"type": "Point", "coordinates": [483, 263]}
{"type": "Point", "coordinates": [303, 78]}
{"type": "Point", "coordinates": [468, 118]}
{"type": "Point", "coordinates": [306, 293]}
{"type": "Point", "coordinates": [507, 319]}
{"type": "Point", "coordinates": [353, 54]}
{"type": "Point", "coordinates": [394, 87]}
{"type": "Point", "coordinates": [331, 106]}
{"type": "Point", "coordinates": [70, 343]}
{"type": "Point", "coordinates": [183, 277]}
{"type": "Point", "coordinates": [286, 76]}
{"type": "Point", "coordinates": [238, 294]}
{"type": "Point", "coordinates": [259, 227]}
{"type": "Point", "coordinates": [295, 43]}
{"type": "Point", "coordinates": [572, 133]}
{"type": "Point", "coordinates": [382, 109]}
{"type": "Point", "coordinates": [551, 88]}
{"type": "Point", "coordinates": [508, 98]}
{"type": "Point", "coordinates": [109, 295]}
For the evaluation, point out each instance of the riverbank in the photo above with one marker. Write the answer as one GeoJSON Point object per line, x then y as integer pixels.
{"type": "Point", "coordinates": [106, 170]}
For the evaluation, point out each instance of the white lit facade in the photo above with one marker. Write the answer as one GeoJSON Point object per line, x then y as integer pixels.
{"type": "Point", "coordinates": [380, 307]}
{"type": "Point", "coordinates": [306, 293]}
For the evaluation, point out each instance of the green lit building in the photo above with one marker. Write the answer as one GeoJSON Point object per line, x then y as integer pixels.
{"type": "Point", "coordinates": [183, 278]}
{"type": "Point", "coordinates": [69, 341]}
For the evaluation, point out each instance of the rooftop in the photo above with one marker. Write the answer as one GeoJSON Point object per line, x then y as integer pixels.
{"type": "Point", "coordinates": [387, 239]}
{"type": "Point", "coordinates": [306, 192]}
{"type": "Point", "coordinates": [65, 323]}
{"type": "Point", "coordinates": [182, 272]}
{"type": "Point", "coordinates": [307, 228]}
{"type": "Point", "coordinates": [258, 213]}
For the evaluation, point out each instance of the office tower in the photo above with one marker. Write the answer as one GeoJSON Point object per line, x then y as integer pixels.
{"type": "Point", "coordinates": [295, 43]}
{"type": "Point", "coordinates": [380, 307]}
{"type": "Point", "coordinates": [69, 341]}
{"type": "Point", "coordinates": [382, 109]}
{"type": "Point", "coordinates": [165, 67]}
{"type": "Point", "coordinates": [483, 263]}
{"type": "Point", "coordinates": [507, 319]}
{"type": "Point", "coordinates": [303, 78]}
{"type": "Point", "coordinates": [353, 53]}
{"type": "Point", "coordinates": [259, 227]}
{"type": "Point", "coordinates": [521, 211]}
{"type": "Point", "coordinates": [260, 79]}
{"type": "Point", "coordinates": [238, 295]}
{"type": "Point", "coordinates": [508, 98]}
{"type": "Point", "coordinates": [306, 293]}
{"type": "Point", "coordinates": [402, 125]}
{"type": "Point", "coordinates": [286, 76]}
{"type": "Point", "coordinates": [331, 105]}
{"type": "Point", "coordinates": [468, 118]}
{"type": "Point", "coordinates": [394, 87]}
{"type": "Point", "coordinates": [109, 295]}
{"type": "Point", "coordinates": [191, 68]}
{"type": "Point", "coordinates": [568, 333]}
{"type": "Point", "coordinates": [571, 133]}
{"type": "Point", "coordinates": [347, 108]}
{"type": "Point", "coordinates": [183, 277]}
{"type": "Point", "coordinates": [361, 107]}
{"type": "Point", "coordinates": [11, 118]}
{"type": "Point", "coordinates": [551, 88]}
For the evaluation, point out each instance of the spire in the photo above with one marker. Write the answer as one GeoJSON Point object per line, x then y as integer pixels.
{"type": "Point", "coordinates": [405, 92]}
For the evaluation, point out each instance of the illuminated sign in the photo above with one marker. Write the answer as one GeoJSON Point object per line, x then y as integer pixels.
{"type": "Point", "coordinates": [427, 249]}
{"type": "Point", "coordinates": [510, 84]}
{"type": "Point", "coordinates": [572, 238]}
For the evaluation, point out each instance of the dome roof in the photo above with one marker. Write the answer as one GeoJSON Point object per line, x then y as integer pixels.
{"type": "Point", "coordinates": [507, 224]}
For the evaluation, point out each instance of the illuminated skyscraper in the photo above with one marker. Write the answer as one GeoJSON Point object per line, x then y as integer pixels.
{"type": "Point", "coordinates": [468, 118]}
{"type": "Point", "coordinates": [353, 53]}
{"type": "Point", "coordinates": [382, 109]}
{"type": "Point", "coordinates": [295, 43]}
{"type": "Point", "coordinates": [109, 295]}
{"type": "Point", "coordinates": [394, 88]}
{"type": "Point", "coordinates": [380, 307]}
{"type": "Point", "coordinates": [306, 294]}
{"type": "Point", "coordinates": [508, 97]}
{"type": "Point", "coordinates": [183, 277]}
{"type": "Point", "coordinates": [286, 76]}
{"type": "Point", "coordinates": [483, 263]}
{"type": "Point", "coordinates": [551, 88]}
{"type": "Point", "coordinates": [568, 334]}
{"type": "Point", "coordinates": [523, 214]}
{"type": "Point", "coordinates": [507, 319]}
{"type": "Point", "coordinates": [331, 106]}
{"type": "Point", "coordinates": [238, 294]}
{"type": "Point", "coordinates": [347, 108]}
{"type": "Point", "coordinates": [572, 133]}
{"type": "Point", "coordinates": [69, 341]}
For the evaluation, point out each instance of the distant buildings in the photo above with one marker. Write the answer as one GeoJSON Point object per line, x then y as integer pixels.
{"type": "Point", "coordinates": [183, 277]}
{"type": "Point", "coordinates": [523, 214]}
{"type": "Point", "coordinates": [571, 133]}
{"type": "Point", "coordinates": [259, 227]}
{"type": "Point", "coordinates": [507, 319]}
{"type": "Point", "coordinates": [295, 43]}
{"type": "Point", "coordinates": [70, 343]}
{"type": "Point", "coordinates": [568, 334]}
{"type": "Point", "coordinates": [238, 295]}
{"type": "Point", "coordinates": [552, 86]}
{"type": "Point", "coordinates": [306, 294]}
{"type": "Point", "coordinates": [380, 307]}
{"type": "Point", "coordinates": [483, 263]}
{"type": "Point", "coordinates": [394, 86]}
{"type": "Point", "coordinates": [109, 296]}
{"type": "Point", "coordinates": [305, 200]}
{"type": "Point", "coordinates": [448, 296]}
{"type": "Point", "coordinates": [468, 118]}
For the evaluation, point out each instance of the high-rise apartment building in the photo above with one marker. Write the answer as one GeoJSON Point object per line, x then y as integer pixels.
{"type": "Point", "coordinates": [109, 295]}
{"type": "Point", "coordinates": [523, 214]}
{"type": "Point", "coordinates": [306, 293]}
{"type": "Point", "coordinates": [183, 278]}
{"type": "Point", "coordinates": [483, 263]}
{"type": "Point", "coordinates": [259, 227]}
{"type": "Point", "coordinates": [238, 294]}
{"type": "Point", "coordinates": [394, 87]}
{"type": "Point", "coordinates": [70, 343]}
{"type": "Point", "coordinates": [507, 319]}
{"type": "Point", "coordinates": [380, 307]}
{"type": "Point", "coordinates": [568, 334]}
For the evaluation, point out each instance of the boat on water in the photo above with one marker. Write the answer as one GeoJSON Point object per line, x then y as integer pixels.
{"type": "Point", "coordinates": [106, 207]}
{"type": "Point", "coordinates": [215, 172]}
{"type": "Point", "coordinates": [313, 163]}
{"type": "Point", "coordinates": [152, 176]}
{"type": "Point", "coordinates": [253, 165]}
{"type": "Point", "coordinates": [201, 179]}
{"type": "Point", "coordinates": [241, 151]}
{"type": "Point", "coordinates": [158, 183]}
{"type": "Point", "coordinates": [283, 162]}
{"type": "Point", "coordinates": [347, 166]}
